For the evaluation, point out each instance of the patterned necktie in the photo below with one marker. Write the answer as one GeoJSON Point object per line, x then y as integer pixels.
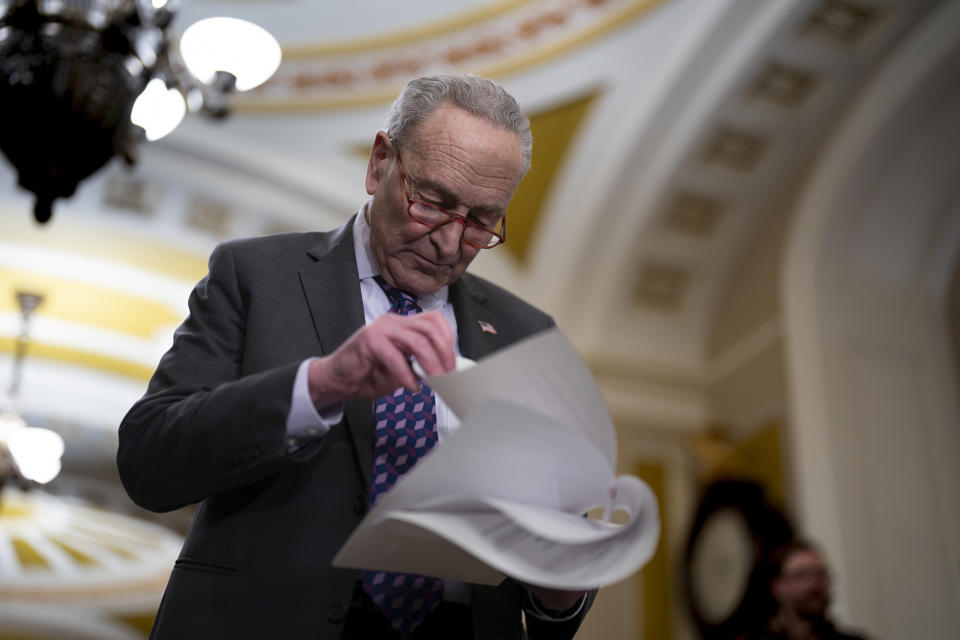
{"type": "Point", "coordinates": [406, 428]}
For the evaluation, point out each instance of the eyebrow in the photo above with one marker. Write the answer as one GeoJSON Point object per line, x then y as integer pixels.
{"type": "Point", "coordinates": [447, 195]}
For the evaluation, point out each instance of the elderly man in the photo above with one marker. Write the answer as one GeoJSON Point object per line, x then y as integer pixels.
{"type": "Point", "coordinates": [287, 399]}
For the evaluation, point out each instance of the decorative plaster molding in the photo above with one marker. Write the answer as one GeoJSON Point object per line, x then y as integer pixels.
{"type": "Point", "coordinates": [507, 38]}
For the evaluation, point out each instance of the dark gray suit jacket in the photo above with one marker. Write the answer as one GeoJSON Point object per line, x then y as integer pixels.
{"type": "Point", "coordinates": [211, 430]}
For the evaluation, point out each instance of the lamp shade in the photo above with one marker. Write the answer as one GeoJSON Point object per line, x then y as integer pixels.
{"type": "Point", "coordinates": [235, 46]}
{"type": "Point", "coordinates": [36, 451]}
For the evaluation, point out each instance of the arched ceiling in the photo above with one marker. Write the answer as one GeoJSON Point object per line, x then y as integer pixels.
{"type": "Point", "coordinates": [670, 139]}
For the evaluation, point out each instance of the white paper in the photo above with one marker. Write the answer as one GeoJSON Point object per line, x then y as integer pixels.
{"type": "Point", "coordinates": [543, 373]}
{"type": "Point", "coordinates": [505, 493]}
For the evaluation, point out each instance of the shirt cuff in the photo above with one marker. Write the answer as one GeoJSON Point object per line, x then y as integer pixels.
{"type": "Point", "coordinates": [531, 607]}
{"type": "Point", "coordinates": [304, 423]}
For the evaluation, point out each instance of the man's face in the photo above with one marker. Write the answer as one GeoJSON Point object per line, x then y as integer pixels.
{"type": "Point", "coordinates": [804, 584]}
{"type": "Point", "coordinates": [455, 161]}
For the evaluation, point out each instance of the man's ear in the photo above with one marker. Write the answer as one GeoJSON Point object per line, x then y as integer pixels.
{"type": "Point", "coordinates": [377, 164]}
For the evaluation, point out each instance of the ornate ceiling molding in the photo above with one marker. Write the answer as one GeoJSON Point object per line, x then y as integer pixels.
{"type": "Point", "coordinates": [495, 40]}
{"type": "Point", "coordinates": [111, 311]}
{"type": "Point", "coordinates": [55, 551]}
{"type": "Point", "coordinates": [69, 570]}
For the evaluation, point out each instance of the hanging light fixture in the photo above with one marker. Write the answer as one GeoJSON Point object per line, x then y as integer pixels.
{"type": "Point", "coordinates": [35, 452]}
{"type": "Point", "coordinates": [84, 80]}
{"type": "Point", "coordinates": [242, 48]}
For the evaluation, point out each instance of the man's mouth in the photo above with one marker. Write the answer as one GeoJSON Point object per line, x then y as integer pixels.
{"type": "Point", "coordinates": [430, 265]}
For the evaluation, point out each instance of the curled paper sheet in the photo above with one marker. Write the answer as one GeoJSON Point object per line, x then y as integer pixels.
{"type": "Point", "coordinates": [545, 548]}
{"type": "Point", "coordinates": [506, 493]}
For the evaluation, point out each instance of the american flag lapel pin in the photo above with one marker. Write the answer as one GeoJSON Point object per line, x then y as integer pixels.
{"type": "Point", "coordinates": [486, 327]}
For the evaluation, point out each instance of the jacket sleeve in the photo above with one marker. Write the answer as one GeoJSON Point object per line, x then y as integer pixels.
{"type": "Point", "coordinates": [201, 429]}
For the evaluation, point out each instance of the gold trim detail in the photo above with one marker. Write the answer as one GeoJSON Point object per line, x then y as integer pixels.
{"type": "Point", "coordinates": [83, 358]}
{"type": "Point", "coordinates": [784, 85]}
{"type": "Point", "coordinates": [735, 149]}
{"type": "Point", "coordinates": [656, 579]}
{"type": "Point", "coordinates": [75, 554]}
{"type": "Point", "coordinates": [693, 214]}
{"type": "Point", "coordinates": [60, 553]}
{"type": "Point", "coordinates": [465, 20]}
{"type": "Point", "coordinates": [661, 287]}
{"type": "Point", "coordinates": [89, 305]}
{"type": "Point", "coordinates": [554, 131]}
{"type": "Point", "coordinates": [83, 592]}
{"type": "Point", "coordinates": [27, 555]}
{"type": "Point", "coordinates": [99, 241]}
{"type": "Point", "coordinates": [844, 22]}
{"type": "Point", "coordinates": [531, 38]}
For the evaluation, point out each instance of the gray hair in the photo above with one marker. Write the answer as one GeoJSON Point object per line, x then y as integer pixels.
{"type": "Point", "coordinates": [481, 97]}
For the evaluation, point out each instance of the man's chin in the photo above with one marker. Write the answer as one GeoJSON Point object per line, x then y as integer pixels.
{"type": "Point", "coordinates": [424, 277]}
{"type": "Point", "coordinates": [421, 284]}
{"type": "Point", "coordinates": [813, 610]}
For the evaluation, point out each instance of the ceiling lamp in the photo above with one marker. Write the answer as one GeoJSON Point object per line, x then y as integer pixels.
{"type": "Point", "coordinates": [34, 453]}
{"type": "Point", "coordinates": [84, 80]}
{"type": "Point", "coordinates": [219, 44]}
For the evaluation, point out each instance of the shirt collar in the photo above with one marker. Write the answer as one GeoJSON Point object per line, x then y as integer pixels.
{"type": "Point", "coordinates": [367, 265]}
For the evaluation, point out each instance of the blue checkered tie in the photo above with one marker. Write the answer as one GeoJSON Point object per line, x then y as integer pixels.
{"type": "Point", "coordinates": [406, 428]}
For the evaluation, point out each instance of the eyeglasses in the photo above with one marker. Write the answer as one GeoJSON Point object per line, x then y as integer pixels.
{"type": "Point", "coordinates": [807, 574]}
{"type": "Point", "coordinates": [474, 233]}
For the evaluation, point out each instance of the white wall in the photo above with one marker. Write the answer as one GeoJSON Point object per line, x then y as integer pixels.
{"type": "Point", "coordinates": [875, 427]}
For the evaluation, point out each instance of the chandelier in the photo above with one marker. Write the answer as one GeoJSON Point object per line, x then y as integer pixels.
{"type": "Point", "coordinates": [82, 81]}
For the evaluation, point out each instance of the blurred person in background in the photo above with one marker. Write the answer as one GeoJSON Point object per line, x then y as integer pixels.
{"type": "Point", "coordinates": [798, 597]}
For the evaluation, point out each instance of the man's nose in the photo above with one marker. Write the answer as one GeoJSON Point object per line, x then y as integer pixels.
{"type": "Point", "coordinates": [447, 237]}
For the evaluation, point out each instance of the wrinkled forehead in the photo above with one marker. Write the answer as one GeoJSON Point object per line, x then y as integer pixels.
{"type": "Point", "coordinates": [452, 130]}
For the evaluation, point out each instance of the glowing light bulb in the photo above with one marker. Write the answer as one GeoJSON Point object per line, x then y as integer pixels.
{"type": "Point", "coordinates": [36, 451]}
{"type": "Point", "coordinates": [158, 109]}
{"type": "Point", "coordinates": [241, 48]}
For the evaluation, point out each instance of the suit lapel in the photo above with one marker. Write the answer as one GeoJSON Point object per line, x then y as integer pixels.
{"type": "Point", "coordinates": [332, 289]}
{"type": "Point", "coordinates": [331, 286]}
{"type": "Point", "coordinates": [477, 322]}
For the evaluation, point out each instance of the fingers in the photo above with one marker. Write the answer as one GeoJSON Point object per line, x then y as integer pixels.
{"type": "Point", "coordinates": [389, 353]}
{"type": "Point", "coordinates": [376, 359]}
{"type": "Point", "coordinates": [426, 337]}
{"type": "Point", "coordinates": [429, 340]}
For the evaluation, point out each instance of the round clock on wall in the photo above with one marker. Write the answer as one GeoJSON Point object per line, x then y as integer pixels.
{"type": "Point", "coordinates": [733, 530]}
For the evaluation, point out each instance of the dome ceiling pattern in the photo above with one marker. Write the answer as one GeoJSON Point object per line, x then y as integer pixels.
{"type": "Point", "coordinates": [77, 571]}
{"type": "Point", "coordinates": [113, 310]}
{"type": "Point", "coordinates": [490, 39]}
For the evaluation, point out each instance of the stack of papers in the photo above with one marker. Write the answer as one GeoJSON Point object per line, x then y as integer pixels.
{"type": "Point", "coordinates": [507, 493]}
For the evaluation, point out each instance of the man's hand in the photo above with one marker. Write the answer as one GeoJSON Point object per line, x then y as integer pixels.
{"type": "Point", "coordinates": [554, 600]}
{"type": "Point", "coordinates": [375, 360]}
